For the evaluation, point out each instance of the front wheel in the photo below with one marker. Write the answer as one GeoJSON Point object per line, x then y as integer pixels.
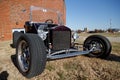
{"type": "Point", "coordinates": [30, 55]}
{"type": "Point", "coordinates": [99, 45]}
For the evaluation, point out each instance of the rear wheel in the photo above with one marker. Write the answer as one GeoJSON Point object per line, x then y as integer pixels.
{"type": "Point", "coordinates": [30, 55]}
{"type": "Point", "coordinates": [99, 45]}
{"type": "Point", "coordinates": [16, 36]}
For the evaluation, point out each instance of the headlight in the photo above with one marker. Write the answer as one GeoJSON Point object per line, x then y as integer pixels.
{"type": "Point", "coordinates": [75, 36]}
{"type": "Point", "coordinates": [42, 33]}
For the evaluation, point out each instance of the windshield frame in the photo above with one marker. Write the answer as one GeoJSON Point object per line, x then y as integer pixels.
{"type": "Point", "coordinates": [36, 8]}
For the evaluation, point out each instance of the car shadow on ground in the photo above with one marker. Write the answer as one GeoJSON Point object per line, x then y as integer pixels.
{"type": "Point", "coordinates": [4, 75]}
{"type": "Point", "coordinates": [113, 57]}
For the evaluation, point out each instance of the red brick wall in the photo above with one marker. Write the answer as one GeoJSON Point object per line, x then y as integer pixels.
{"type": "Point", "coordinates": [11, 13]}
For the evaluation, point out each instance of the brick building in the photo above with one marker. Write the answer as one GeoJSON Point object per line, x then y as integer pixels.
{"type": "Point", "coordinates": [12, 13]}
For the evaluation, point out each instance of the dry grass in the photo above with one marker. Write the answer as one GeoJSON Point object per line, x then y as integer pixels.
{"type": "Point", "coordinates": [104, 34]}
{"type": "Point", "coordinates": [76, 68]}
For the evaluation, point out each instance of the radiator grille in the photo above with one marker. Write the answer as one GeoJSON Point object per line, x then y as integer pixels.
{"type": "Point", "coordinates": [61, 40]}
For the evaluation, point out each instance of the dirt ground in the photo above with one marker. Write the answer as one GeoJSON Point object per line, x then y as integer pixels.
{"type": "Point", "coordinates": [76, 68]}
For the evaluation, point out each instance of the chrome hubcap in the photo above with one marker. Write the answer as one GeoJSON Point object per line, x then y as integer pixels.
{"type": "Point", "coordinates": [23, 56]}
{"type": "Point", "coordinates": [96, 47]}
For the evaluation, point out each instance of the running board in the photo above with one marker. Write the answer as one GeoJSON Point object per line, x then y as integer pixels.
{"type": "Point", "coordinates": [65, 55]}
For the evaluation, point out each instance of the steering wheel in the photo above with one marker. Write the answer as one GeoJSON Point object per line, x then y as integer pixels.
{"type": "Point", "coordinates": [50, 21]}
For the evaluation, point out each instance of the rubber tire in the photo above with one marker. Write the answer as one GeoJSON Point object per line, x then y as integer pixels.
{"type": "Point", "coordinates": [104, 40]}
{"type": "Point", "coordinates": [38, 55]}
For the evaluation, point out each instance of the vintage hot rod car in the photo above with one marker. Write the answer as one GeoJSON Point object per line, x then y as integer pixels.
{"type": "Point", "coordinates": [41, 41]}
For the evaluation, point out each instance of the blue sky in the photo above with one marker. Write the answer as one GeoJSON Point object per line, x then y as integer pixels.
{"type": "Point", "coordinates": [93, 14]}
